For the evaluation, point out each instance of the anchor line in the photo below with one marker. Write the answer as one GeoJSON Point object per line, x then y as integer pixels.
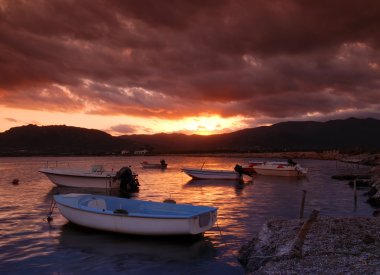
{"type": "Point", "coordinates": [49, 217]}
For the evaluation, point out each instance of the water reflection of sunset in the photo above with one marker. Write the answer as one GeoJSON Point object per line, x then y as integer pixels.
{"type": "Point", "coordinates": [242, 209]}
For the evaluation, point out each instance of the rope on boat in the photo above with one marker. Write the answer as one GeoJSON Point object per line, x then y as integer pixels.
{"type": "Point", "coordinates": [220, 232]}
{"type": "Point", "coordinates": [109, 180]}
{"type": "Point", "coordinates": [49, 217]}
{"type": "Point", "coordinates": [224, 242]}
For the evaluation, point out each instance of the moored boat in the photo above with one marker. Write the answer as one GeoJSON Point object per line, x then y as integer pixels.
{"type": "Point", "coordinates": [135, 216]}
{"type": "Point", "coordinates": [161, 165]}
{"type": "Point", "coordinates": [287, 169]}
{"type": "Point", "coordinates": [97, 177]}
{"type": "Point", "coordinates": [196, 173]}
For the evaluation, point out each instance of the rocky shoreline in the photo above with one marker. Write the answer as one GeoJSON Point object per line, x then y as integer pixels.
{"type": "Point", "coordinates": [331, 246]}
{"type": "Point", "coordinates": [318, 245]}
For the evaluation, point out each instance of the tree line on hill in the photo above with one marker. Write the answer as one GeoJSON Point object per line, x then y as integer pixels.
{"type": "Point", "coordinates": [362, 135]}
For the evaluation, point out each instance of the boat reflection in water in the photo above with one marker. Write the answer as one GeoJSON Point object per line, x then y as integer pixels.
{"type": "Point", "coordinates": [157, 248]}
{"type": "Point", "coordinates": [30, 245]}
{"type": "Point", "coordinates": [238, 185]}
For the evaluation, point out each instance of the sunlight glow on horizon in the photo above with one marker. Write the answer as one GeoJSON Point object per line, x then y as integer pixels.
{"type": "Point", "coordinates": [200, 125]}
{"type": "Point", "coordinates": [207, 125]}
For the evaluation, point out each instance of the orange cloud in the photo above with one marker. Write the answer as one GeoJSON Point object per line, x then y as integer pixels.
{"type": "Point", "coordinates": [258, 60]}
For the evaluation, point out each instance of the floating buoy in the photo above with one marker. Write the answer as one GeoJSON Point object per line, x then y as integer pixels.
{"type": "Point", "coordinates": [15, 181]}
{"type": "Point", "coordinates": [49, 217]}
{"type": "Point", "coordinates": [169, 200]}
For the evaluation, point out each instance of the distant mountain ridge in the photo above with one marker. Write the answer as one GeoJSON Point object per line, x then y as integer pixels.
{"type": "Point", "coordinates": [45, 140]}
{"type": "Point", "coordinates": [348, 134]}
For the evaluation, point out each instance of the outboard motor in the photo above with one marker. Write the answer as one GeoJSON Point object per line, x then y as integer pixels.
{"type": "Point", "coordinates": [239, 169]}
{"type": "Point", "coordinates": [128, 180]}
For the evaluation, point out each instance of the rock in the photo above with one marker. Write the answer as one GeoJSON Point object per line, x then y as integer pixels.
{"type": "Point", "coordinates": [332, 246]}
{"type": "Point", "coordinates": [361, 183]}
{"type": "Point", "coordinates": [374, 200]}
{"type": "Point", "coordinates": [371, 192]}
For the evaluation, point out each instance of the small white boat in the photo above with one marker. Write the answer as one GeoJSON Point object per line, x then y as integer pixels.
{"type": "Point", "coordinates": [196, 173]}
{"type": "Point", "coordinates": [280, 169]}
{"type": "Point", "coordinates": [135, 216]}
{"type": "Point", "coordinates": [351, 160]}
{"type": "Point", "coordinates": [161, 165]}
{"type": "Point", "coordinates": [97, 177]}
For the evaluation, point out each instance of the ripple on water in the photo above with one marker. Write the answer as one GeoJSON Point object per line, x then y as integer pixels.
{"type": "Point", "coordinates": [30, 245]}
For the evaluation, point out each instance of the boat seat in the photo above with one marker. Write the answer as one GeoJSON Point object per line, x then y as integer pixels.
{"type": "Point", "coordinates": [98, 204]}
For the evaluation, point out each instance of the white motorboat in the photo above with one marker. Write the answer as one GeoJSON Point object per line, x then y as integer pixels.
{"type": "Point", "coordinates": [97, 177]}
{"type": "Point", "coordinates": [135, 216]}
{"type": "Point", "coordinates": [196, 173]}
{"type": "Point", "coordinates": [280, 169]}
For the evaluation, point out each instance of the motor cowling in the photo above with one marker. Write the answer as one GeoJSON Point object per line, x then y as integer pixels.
{"type": "Point", "coordinates": [128, 180]}
{"type": "Point", "coordinates": [240, 170]}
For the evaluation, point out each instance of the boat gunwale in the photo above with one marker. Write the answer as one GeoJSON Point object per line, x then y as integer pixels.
{"type": "Point", "coordinates": [210, 171]}
{"type": "Point", "coordinates": [135, 214]}
{"type": "Point", "coordinates": [88, 175]}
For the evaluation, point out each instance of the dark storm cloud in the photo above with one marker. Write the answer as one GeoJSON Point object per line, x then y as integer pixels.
{"type": "Point", "coordinates": [268, 60]}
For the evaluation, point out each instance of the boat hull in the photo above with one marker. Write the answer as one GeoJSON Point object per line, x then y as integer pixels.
{"type": "Point", "coordinates": [280, 170]}
{"type": "Point", "coordinates": [212, 174]}
{"type": "Point", "coordinates": [81, 179]}
{"type": "Point", "coordinates": [250, 168]}
{"type": "Point", "coordinates": [104, 217]}
{"type": "Point", "coordinates": [153, 166]}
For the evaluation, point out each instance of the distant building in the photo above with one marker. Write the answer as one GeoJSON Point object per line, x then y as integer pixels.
{"type": "Point", "coordinates": [141, 152]}
{"type": "Point", "coordinates": [125, 152]}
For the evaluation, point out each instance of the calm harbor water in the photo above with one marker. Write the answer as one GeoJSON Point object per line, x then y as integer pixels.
{"type": "Point", "coordinates": [29, 244]}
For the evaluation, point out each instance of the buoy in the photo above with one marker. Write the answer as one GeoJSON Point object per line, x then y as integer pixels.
{"type": "Point", "coordinates": [49, 218]}
{"type": "Point", "coordinates": [15, 181]}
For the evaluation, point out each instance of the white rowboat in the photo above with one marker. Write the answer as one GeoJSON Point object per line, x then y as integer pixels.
{"type": "Point", "coordinates": [135, 216]}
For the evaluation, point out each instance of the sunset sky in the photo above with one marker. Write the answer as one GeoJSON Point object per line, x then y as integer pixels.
{"type": "Point", "coordinates": [197, 66]}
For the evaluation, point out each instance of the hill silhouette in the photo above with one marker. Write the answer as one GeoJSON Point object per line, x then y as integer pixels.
{"type": "Point", "coordinates": [345, 135]}
{"type": "Point", "coordinates": [64, 140]}
{"type": "Point", "coordinates": [350, 134]}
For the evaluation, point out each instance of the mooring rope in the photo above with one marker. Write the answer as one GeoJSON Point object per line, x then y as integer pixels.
{"type": "Point", "coordinates": [234, 253]}
{"type": "Point", "coordinates": [49, 217]}
{"type": "Point", "coordinates": [220, 233]}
